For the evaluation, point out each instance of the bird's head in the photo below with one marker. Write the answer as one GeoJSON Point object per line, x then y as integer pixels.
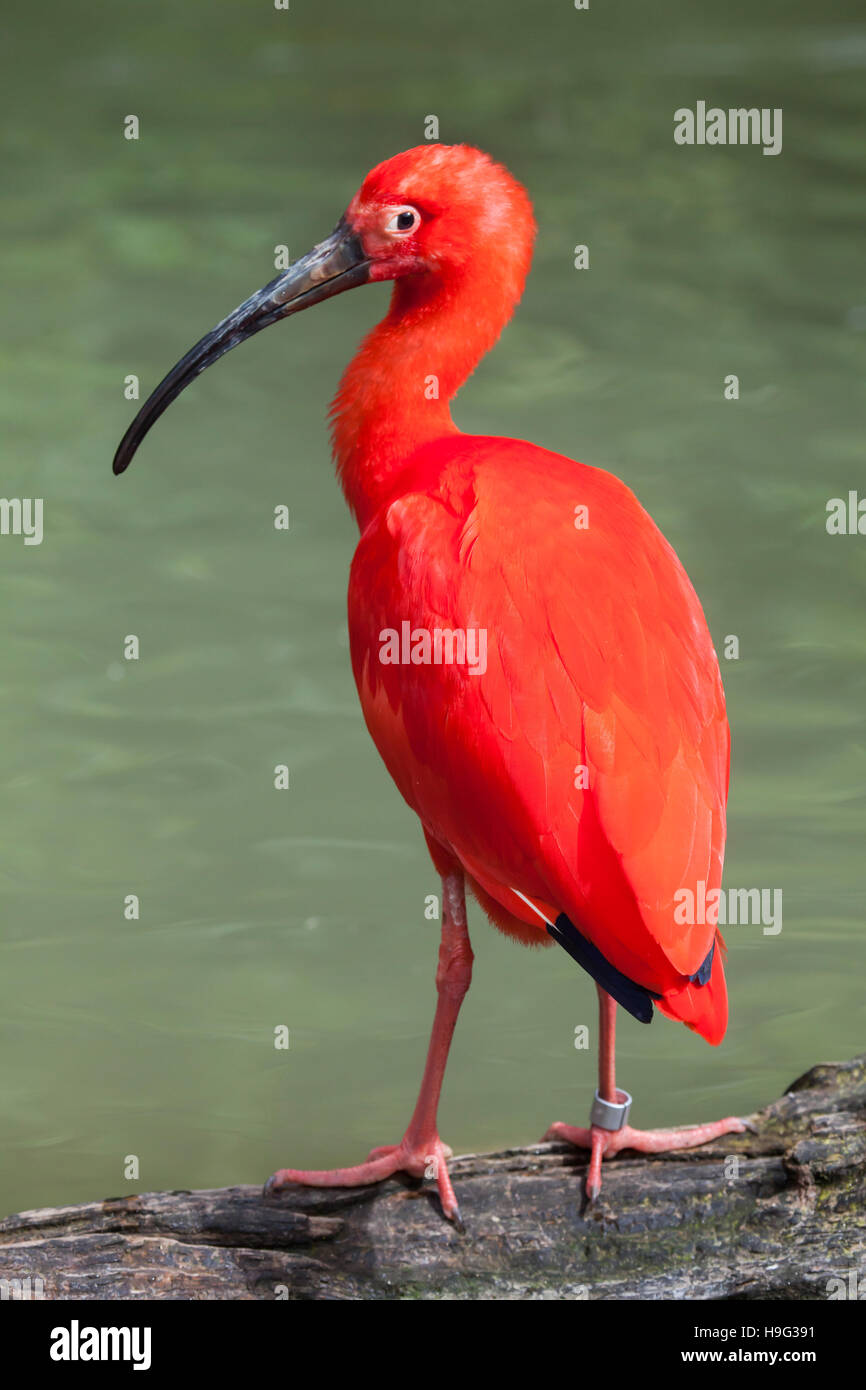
{"type": "Point", "coordinates": [425, 218]}
{"type": "Point", "coordinates": [440, 210]}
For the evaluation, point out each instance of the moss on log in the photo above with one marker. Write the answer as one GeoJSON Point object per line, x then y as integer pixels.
{"type": "Point", "coordinates": [775, 1213]}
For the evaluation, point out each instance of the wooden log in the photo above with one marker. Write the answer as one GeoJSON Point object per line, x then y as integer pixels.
{"type": "Point", "coordinates": [775, 1213]}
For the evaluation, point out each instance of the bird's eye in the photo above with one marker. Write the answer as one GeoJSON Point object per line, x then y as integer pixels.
{"type": "Point", "coordinates": [404, 220]}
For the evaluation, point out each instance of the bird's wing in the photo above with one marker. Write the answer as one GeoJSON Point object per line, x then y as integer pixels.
{"type": "Point", "coordinates": [587, 764]}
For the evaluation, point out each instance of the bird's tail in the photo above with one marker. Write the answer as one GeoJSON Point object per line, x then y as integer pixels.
{"type": "Point", "coordinates": [703, 1008]}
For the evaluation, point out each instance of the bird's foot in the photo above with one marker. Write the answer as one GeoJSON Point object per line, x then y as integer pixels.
{"type": "Point", "coordinates": [604, 1143]}
{"type": "Point", "coordinates": [420, 1159]}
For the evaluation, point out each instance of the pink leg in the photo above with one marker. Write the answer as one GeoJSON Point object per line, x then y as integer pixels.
{"type": "Point", "coordinates": [420, 1152]}
{"type": "Point", "coordinates": [604, 1143]}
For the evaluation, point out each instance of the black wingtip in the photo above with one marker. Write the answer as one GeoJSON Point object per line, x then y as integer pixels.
{"type": "Point", "coordinates": [702, 976]}
{"type": "Point", "coordinates": [634, 998]}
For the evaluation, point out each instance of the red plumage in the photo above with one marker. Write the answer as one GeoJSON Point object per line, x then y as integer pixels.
{"type": "Point", "coordinates": [598, 656]}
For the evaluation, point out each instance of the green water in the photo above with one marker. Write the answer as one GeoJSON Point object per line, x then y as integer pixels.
{"type": "Point", "coordinates": [305, 908]}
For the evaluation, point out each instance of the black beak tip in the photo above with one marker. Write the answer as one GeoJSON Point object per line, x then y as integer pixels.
{"type": "Point", "coordinates": [123, 455]}
{"type": "Point", "coordinates": [126, 450]}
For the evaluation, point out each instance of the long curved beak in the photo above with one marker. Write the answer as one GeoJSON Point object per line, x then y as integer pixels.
{"type": "Point", "coordinates": [336, 264]}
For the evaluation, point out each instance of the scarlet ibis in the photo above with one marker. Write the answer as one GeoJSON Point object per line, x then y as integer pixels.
{"type": "Point", "coordinates": [533, 663]}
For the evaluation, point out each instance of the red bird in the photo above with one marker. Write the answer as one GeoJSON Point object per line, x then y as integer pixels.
{"type": "Point", "coordinates": [533, 663]}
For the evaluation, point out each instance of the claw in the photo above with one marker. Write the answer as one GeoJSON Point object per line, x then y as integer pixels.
{"type": "Point", "coordinates": [605, 1143]}
{"type": "Point", "coordinates": [385, 1162]}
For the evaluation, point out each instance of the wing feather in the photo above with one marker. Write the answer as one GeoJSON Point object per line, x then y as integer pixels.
{"type": "Point", "coordinates": [598, 658]}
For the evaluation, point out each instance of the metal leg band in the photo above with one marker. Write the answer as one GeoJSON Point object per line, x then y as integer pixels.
{"type": "Point", "coordinates": [608, 1114]}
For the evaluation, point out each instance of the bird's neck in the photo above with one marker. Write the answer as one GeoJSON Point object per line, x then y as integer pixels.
{"type": "Point", "coordinates": [395, 394]}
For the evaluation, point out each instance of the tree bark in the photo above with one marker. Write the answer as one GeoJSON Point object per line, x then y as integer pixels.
{"type": "Point", "coordinates": [775, 1213]}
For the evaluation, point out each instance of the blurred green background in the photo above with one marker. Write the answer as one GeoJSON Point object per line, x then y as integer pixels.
{"type": "Point", "coordinates": [305, 908]}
